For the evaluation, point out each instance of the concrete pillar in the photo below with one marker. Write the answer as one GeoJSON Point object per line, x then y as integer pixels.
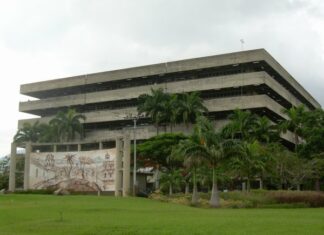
{"type": "Point", "coordinates": [27, 165]}
{"type": "Point", "coordinates": [79, 147]}
{"type": "Point", "coordinates": [54, 148]}
{"type": "Point", "coordinates": [118, 167]}
{"type": "Point", "coordinates": [100, 145]}
{"type": "Point", "coordinates": [12, 174]}
{"type": "Point", "coordinates": [126, 166]}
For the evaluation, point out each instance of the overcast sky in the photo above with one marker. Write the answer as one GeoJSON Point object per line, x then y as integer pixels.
{"type": "Point", "coordinates": [42, 40]}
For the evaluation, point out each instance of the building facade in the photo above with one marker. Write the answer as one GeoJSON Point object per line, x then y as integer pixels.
{"type": "Point", "coordinates": [250, 80]}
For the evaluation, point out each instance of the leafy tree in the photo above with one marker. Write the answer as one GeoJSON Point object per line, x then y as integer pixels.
{"type": "Point", "coordinates": [299, 170]}
{"type": "Point", "coordinates": [157, 150]}
{"type": "Point", "coordinates": [4, 172]}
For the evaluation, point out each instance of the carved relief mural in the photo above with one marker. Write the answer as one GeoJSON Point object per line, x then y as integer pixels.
{"type": "Point", "coordinates": [75, 171]}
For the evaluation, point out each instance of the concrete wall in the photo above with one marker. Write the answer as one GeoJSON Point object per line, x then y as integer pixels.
{"type": "Point", "coordinates": [176, 66]}
{"type": "Point", "coordinates": [213, 105]}
{"type": "Point", "coordinates": [216, 83]}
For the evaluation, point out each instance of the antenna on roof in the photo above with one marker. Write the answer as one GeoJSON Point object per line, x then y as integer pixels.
{"type": "Point", "coordinates": [242, 44]}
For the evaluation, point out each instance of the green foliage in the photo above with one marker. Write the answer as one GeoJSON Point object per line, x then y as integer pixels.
{"type": "Point", "coordinates": [249, 161]}
{"type": "Point", "coordinates": [168, 109]}
{"type": "Point", "coordinates": [68, 124]}
{"type": "Point", "coordinates": [296, 117]}
{"type": "Point", "coordinates": [4, 172]}
{"type": "Point", "coordinates": [189, 107]}
{"type": "Point", "coordinates": [63, 127]}
{"type": "Point", "coordinates": [29, 132]}
{"type": "Point", "coordinates": [171, 180]}
{"type": "Point", "coordinates": [157, 150]}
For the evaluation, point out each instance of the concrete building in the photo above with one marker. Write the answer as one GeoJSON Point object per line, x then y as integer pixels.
{"type": "Point", "coordinates": [250, 80]}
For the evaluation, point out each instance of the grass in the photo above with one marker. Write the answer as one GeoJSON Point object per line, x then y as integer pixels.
{"type": "Point", "coordinates": [91, 215]}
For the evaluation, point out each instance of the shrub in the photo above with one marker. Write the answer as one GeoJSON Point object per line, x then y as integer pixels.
{"type": "Point", "coordinates": [36, 191]}
{"type": "Point", "coordinates": [313, 199]}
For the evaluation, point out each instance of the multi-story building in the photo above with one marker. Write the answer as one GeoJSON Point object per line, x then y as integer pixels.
{"type": "Point", "coordinates": [250, 80]}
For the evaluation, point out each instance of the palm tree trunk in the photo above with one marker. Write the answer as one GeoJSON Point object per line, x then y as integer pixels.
{"type": "Point", "coordinates": [157, 180]}
{"type": "Point", "coordinates": [214, 198]}
{"type": "Point", "coordinates": [248, 185]}
{"type": "Point", "coordinates": [170, 190]}
{"type": "Point", "coordinates": [195, 196]}
{"type": "Point", "coordinates": [261, 183]}
{"type": "Point", "coordinates": [317, 185]}
{"type": "Point", "coordinates": [296, 141]}
{"type": "Point", "coordinates": [187, 190]}
{"type": "Point", "coordinates": [298, 187]}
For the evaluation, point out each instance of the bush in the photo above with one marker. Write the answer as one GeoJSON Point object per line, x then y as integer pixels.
{"type": "Point", "coordinates": [313, 199]}
{"type": "Point", "coordinates": [35, 191]}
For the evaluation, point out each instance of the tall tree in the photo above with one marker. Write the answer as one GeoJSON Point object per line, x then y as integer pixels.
{"type": "Point", "coordinates": [68, 124]}
{"type": "Point", "coordinates": [249, 161]}
{"type": "Point", "coordinates": [264, 131]}
{"type": "Point", "coordinates": [190, 150]}
{"type": "Point", "coordinates": [296, 117]}
{"type": "Point", "coordinates": [190, 107]}
{"type": "Point", "coordinates": [214, 149]}
{"type": "Point", "coordinates": [155, 106]}
{"type": "Point", "coordinates": [172, 179]}
{"type": "Point", "coordinates": [29, 132]}
{"type": "Point", "coordinates": [241, 124]}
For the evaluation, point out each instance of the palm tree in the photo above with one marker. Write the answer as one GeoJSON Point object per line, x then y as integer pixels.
{"type": "Point", "coordinates": [205, 145]}
{"type": "Point", "coordinates": [264, 131]}
{"type": "Point", "coordinates": [190, 151]}
{"type": "Point", "coordinates": [68, 124]}
{"type": "Point", "coordinates": [241, 123]}
{"type": "Point", "coordinates": [154, 106]}
{"type": "Point", "coordinates": [215, 149]}
{"type": "Point", "coordinates": [29, 132]}
{"type": "Point", "coordinates": [171, 178]}
{"type": "Point", "coordinates": [296, 117]}
{"type": "Point", "coordinates": [249, 160]}
{"type": "Point", "coordinates": [190, 107]}
{"type": "Point", "coordinates": [48, 133]}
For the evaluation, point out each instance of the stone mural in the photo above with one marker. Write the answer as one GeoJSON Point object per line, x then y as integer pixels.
{"type": "Point", "coordinates": [75, 171]}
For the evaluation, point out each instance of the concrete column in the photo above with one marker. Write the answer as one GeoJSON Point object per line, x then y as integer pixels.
{"type": "Point", "coordinates": [27, 165]}
{"type": "Point", "coordinates": [79, 147]}
{"type": "Point", "coordinates": [54, 148]}
{"type": "Point", "coordinates": [100, 145]}
{"type": "Point", "coordinates": [118, 167]}
{"type": "Point", "coordinates": [12, 174]}
{"type": "Point", "coordinates": [126, 166]}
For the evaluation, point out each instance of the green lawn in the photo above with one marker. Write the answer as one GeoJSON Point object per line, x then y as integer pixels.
{"type": "Point", "coordinates": [90, 215]}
